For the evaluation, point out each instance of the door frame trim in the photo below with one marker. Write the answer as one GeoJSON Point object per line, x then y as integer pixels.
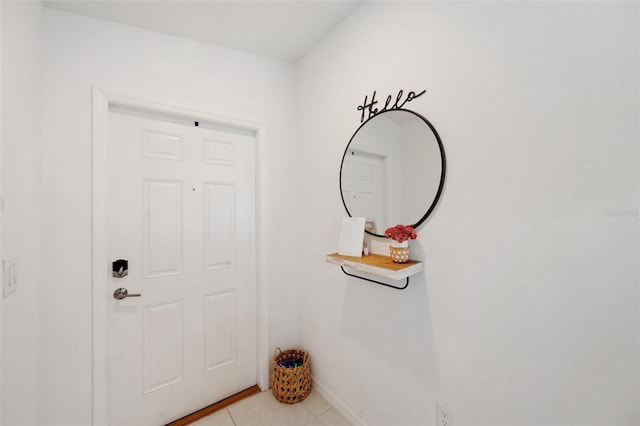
{"type": "Point", "coordinates": [101, 101]}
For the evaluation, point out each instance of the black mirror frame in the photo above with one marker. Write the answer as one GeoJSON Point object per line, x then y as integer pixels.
{"type": "Point", "coordinates": [442, 173]}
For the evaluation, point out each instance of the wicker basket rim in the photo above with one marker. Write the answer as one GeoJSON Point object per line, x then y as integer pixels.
{"type": "Point", "coordinates": [286, 352]}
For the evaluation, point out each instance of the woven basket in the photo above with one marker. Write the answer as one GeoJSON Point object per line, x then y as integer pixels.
{"type": "Point", "coordinates": [399, 254]}
{"type": "Point", "coordinates": [291, 384]}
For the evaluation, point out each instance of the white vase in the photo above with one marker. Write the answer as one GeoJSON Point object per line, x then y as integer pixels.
{"type": "Point", "coordinates": [394, 243]}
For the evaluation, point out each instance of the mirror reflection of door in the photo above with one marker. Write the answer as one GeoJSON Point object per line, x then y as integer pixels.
{"type": "Point", "coordinates": [364, 187]}
{"type": "Point", "coordinates": [393, 170]}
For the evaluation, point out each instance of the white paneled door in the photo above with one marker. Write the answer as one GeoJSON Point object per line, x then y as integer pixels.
{"type": "Point", "coordinates": [181, 211]}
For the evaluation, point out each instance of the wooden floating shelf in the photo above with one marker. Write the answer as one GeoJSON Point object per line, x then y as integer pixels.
{"type": "Point", "coordinates": [377, 264]}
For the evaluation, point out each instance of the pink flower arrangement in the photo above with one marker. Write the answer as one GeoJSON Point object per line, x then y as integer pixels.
{"type": "Point", "coordinates": [401, 233]}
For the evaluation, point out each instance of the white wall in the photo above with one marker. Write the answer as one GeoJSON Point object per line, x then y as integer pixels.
{"type": "Point", "coordinates": [1, 139]}
{"type": "Point", "coordinates": [21, 207]}
{"type": "Point", "coordinates": [527, 311]}
{"type": "Point", "coordinates": [82, 52]}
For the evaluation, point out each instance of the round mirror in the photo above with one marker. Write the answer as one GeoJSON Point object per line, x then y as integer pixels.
{"type": "Point", "coordinates": [392, 170]}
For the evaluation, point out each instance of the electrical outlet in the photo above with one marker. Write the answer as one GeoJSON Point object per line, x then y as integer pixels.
{"type": "Point", "coordinates": [10, 267]}
{"type": "Point", "coordinates": [444, 414]}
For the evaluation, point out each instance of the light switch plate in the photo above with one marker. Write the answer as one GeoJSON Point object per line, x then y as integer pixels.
{"type": "Point", "coordinates": [10, 268]}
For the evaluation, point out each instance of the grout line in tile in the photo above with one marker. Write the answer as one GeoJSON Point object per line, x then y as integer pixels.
{"type": "Point", "coordinates": [230, 416]}
{"type": "Point", "coordinates": [314, 418]}
{"type": "Point", "coordinates": [328, 408]}
{"type": "Point", "coordinates": [308, 411]}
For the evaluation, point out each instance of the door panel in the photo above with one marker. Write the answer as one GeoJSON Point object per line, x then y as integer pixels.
{"type": "Point", "coordinates": [182, 211]}
{"type": "Point", "coordinates": [220, 329]}
{"type": "Point", "coordinates": [162, 343]}
{"type": "Point", "coordinates": [161, 227]}
{"type": "Point", "coordinates": [160, 145]}
{"type": "Point", "coordinates": [218, 152]}
{"type": "Point", "coordinates": [219, 217]}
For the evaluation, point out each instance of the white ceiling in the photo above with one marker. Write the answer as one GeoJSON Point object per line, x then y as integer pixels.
{"type": "Point", "coordinates": [279, 29]}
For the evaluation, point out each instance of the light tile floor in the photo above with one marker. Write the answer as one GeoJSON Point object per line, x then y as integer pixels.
{"type": "Point", "coordinates": [264, 410]}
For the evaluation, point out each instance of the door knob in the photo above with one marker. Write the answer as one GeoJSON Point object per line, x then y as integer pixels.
{"type": "Point", "coordinates": [122, 293]}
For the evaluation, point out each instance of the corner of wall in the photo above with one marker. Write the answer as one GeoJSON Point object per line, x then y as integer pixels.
{"type": "Point", "coordinates": [20, 233]}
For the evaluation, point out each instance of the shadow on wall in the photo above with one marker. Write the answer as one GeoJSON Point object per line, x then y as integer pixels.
{"type": "Point", "coordinates": [393, 325]}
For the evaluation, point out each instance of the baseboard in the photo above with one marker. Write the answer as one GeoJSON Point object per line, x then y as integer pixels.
{"type": "Point", "coordinates": [336, 403]}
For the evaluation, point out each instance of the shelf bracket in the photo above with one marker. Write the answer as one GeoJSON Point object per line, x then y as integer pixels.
{"type": "Point", "coordinates": [376, 282]}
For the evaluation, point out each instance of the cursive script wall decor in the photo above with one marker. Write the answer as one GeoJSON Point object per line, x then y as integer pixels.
{"type": "Point", "coordinates": [370, 106]}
